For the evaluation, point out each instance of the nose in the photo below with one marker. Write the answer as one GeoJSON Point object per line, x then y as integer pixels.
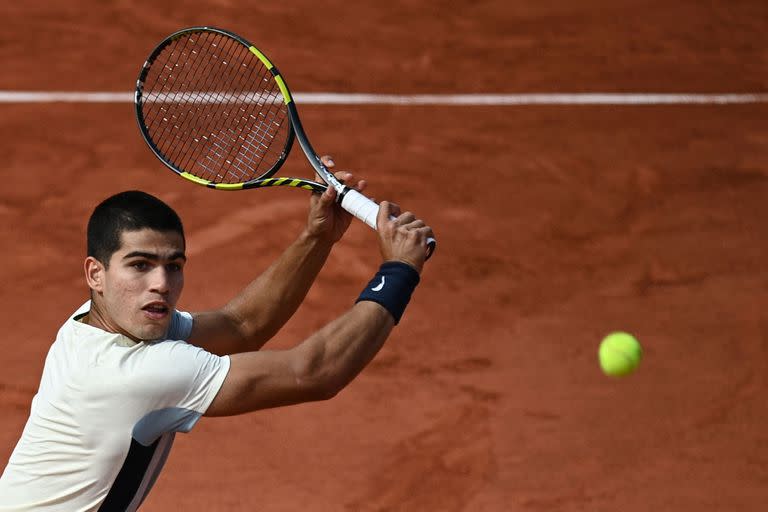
{"type": "Point", "coordinates": [161, 280]}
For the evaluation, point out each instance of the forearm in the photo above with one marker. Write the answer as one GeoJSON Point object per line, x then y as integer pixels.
{"type": "Point", "coordinates": [334, 355]}
{"type": "Point", "coordinates": [267, 303]}
{"type": "Point", "coordinates": [327, 361]}
{"type": "Point", "coordinates": [314, 370]}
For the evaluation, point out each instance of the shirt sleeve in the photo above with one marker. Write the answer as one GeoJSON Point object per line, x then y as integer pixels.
{"type": "Point", "coordinates": [185, 376]}
{"type": "Point", "coordinates": [180, 327]}
{"type": "Point", "coordinates": [205, 373]}
{"type": "Point", "coordinates": [181, 382]}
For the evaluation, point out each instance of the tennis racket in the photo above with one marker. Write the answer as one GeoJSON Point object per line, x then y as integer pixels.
{"type": "Point", "coordinates": [216, 111]}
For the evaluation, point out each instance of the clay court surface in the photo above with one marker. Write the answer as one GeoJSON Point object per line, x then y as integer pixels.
{"type": "Point", "coordinates": [556, 224]}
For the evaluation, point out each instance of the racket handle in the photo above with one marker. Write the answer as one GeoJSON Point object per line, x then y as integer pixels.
{"type": "Point", "coordinates": [361, 207]}
{"type": "Point", "coordinates": [367, 211]}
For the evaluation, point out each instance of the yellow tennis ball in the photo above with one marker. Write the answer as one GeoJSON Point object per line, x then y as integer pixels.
{"type": "Point", "coordinates": [619, 354]}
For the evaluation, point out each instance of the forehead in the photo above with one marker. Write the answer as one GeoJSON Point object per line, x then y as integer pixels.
{"type": "Point", "coordinates": [162, 243]}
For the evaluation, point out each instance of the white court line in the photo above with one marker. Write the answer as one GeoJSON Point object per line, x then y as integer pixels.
{"type": "Point", "coordinates": [312, 98]}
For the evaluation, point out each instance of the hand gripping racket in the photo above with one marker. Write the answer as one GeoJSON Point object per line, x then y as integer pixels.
{"type": "Point", "coordinates": [216, 111]}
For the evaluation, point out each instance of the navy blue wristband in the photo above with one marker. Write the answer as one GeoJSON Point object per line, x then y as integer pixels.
{"type": "Point", "coordinates": [392, 287]}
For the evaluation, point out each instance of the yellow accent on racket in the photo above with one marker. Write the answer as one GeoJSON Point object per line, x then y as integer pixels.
{"type": "Point", "coordinates": [263, 58]}
{"type": "Point", "coordinates": [283, 89]}
{"type": "Point", "coordinates": [192, 177]}
{"type": "Point", "coordinates": [228, 186]}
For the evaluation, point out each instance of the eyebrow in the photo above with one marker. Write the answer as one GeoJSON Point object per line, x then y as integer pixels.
{"type": "Point", "coordinates": [179, 255]}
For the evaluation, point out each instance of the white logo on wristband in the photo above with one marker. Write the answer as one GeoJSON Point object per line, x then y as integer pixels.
{"type": "Point", "coordinates": [379, 287]}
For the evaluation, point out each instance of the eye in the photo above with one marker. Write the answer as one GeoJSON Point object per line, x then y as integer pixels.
{"type": "Point", "coordinates": [173, 267]}
{"type": "Point", "coordinates": [141, 266]}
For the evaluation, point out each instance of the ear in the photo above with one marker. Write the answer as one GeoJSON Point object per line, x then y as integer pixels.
{"type": "Point", "coordinates": [94, 274]}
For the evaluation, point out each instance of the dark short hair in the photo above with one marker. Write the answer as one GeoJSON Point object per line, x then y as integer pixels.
{"type": "Point", "coordinates": [127, 211]}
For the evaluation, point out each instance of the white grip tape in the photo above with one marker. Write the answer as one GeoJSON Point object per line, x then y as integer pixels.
{"type": "Point", "coordinates": [361, 207]}
{"type": "Point", "coordinates": [367, 211]}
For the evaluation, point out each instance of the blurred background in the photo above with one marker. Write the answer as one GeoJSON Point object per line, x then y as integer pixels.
{"type": "Point", "coordinates": [557, 224]}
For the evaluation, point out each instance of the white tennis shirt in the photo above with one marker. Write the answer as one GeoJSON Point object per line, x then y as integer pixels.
{"type": "Point", "coordinates": [103, 420]}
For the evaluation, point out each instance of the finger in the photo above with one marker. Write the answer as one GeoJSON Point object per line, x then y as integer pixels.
{"type": "Point", "coordinates": [344, 176]}
{"type": "Point", "coordinates": [424, 232]}
{"type": "Point", "coordinates": [327, 162]}
{"type": "Point", "coordinates": [405, 218]}
{"type": "Point", "coordinates": [420, 235]}
{"type": "Point", "coordinates": [328, 196]}
{"type": "Point", "coordinates": [415, 224]}
{"type": "Point", "coordinates": [386, 210]}
{"type": "Point", "coordinates": [394, 209]}
{"type": "Point", "coordinates": [348, 179]}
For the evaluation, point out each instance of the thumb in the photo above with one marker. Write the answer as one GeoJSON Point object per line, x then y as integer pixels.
{"type": "Point", "coordinates": [328, 197]}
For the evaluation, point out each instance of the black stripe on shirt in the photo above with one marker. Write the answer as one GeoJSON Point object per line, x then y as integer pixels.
{"type": "Point", "coordinates": [129, 479]}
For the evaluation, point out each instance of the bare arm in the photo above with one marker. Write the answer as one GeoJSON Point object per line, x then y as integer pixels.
{"type": "Point", "coordinates": [262, 308]}
{"type": "Point", "coordinates": [315, 370]}
{"type": "Point", "coordinates": [267, 303]}
{"type": "Point", "coordinates": [328, 360]}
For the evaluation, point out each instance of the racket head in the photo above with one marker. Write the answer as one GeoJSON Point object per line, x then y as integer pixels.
{"type": "Point", "coordinates": [213, 109]}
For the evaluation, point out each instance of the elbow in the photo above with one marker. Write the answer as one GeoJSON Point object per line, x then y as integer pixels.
{"type": "Point", "coordinates": [318, 388]}
{"type": "Point", "coordinates": [323, 385]}
{"type": "Point", "coordinates": [318, 380]}
{"type": "Point", "coordinates": [327, 390]}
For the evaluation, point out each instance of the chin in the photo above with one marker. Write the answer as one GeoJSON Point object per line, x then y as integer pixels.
{"type": "Point", "coordinates": [153, 333]}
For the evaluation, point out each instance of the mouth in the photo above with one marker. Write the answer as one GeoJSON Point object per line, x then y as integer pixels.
{"type": "Point", "coordinates": [156, 310]}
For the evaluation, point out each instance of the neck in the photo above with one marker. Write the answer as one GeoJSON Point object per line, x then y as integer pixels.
{"type": "Point", "coordinates": [97, 318]}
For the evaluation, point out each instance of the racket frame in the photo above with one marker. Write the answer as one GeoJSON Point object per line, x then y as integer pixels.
{"type": "Point", "coordinates": [350, 199]}
{"type": "Point", "coordinates": [263, 180]}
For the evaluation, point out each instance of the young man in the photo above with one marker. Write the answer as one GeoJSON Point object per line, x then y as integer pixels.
{"type": "Point", "coordinates": [127, 370]}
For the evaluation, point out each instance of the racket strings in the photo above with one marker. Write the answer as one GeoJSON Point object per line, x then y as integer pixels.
{"type": "Point", "coordinates": [170, 96]}
{"type": "Point", "coordinates": [183, 106]}
{"type": "Point", "coordinates": [195, 105]}
{"type": "Point", "coordinates": [221, 142]}
{"type": "Point", "coordinates": [257, 142]}
{"type": "Point", "coordinates": [170, 123]}
{"type": "Point", "coordinates": [214, 110]}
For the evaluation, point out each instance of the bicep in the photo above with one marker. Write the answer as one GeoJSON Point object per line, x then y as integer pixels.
{"type": "Point", "coordinates": [262, 380]}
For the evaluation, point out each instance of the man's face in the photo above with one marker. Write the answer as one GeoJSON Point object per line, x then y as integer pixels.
{"type": "Point", "coordinates": [139, 290]}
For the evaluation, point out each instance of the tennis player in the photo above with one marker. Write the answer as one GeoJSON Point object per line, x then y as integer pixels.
{"type": "Point", "coordinates": [128, 370]}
